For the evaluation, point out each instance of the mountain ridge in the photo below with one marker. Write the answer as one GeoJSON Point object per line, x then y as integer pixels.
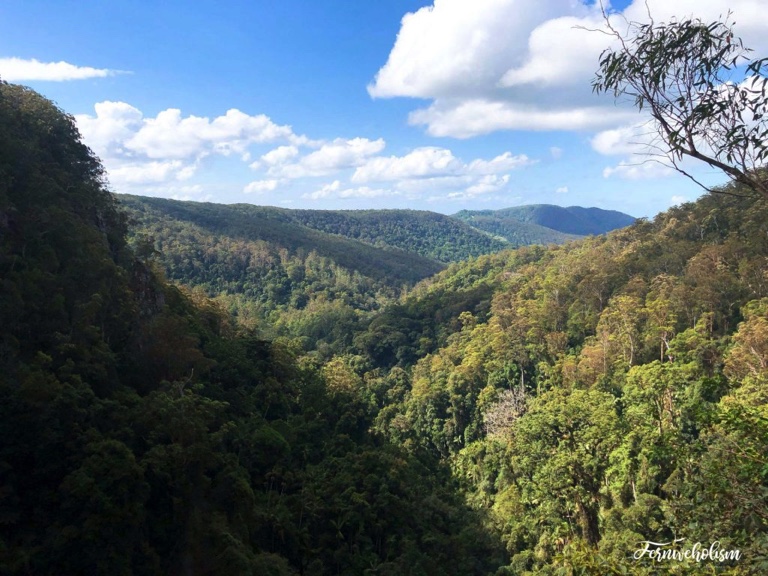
{"type": "Point", "coordinates": [570, 220]}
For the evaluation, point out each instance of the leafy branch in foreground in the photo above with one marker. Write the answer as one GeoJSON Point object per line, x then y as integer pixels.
{"type": "Point", "coordinates": [704, 91]}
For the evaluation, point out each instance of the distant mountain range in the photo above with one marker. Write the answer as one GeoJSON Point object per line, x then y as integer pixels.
{"type": "Point", "coordinates": [258, 250]}
{"type": "Point", "coordinates": [533, 223]}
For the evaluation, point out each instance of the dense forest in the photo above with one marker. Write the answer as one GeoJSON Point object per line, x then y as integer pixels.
{"type": "Point", "coordinates": [543, 410]}
{"type": "Point", "coordinates": [144, 433]}
{"type": "Point", "coordinates": [320, 275]}
{"type": "Point", "coordinates": [429, 234]}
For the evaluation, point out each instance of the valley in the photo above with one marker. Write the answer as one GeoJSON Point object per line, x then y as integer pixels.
{"type": "Point", "coordinates": [191, 388]}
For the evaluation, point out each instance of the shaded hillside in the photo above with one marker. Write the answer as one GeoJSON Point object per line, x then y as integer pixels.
{"type": "Point", "coordinates": [140, 433]}
{"type": "Point", "coordinates": [573, 220]}
{"type": "Point", "coordinates": [244, 222]}
{"type": "Point", "coordinates": [429, 234]}
{"type": "Point", "coordinates": [271, 272]}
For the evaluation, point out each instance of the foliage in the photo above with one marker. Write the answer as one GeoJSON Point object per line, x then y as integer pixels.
{"type": "Point", "coordinates": [536, 411]}
{"type": "Point", "coordinates": [704, 91]}
{"type": "Point", "coordinates": [589, 408]}
{"type": "Point", "coordinates": [428, 234]}
{"type": "Point", "coordinates": [143, 433]}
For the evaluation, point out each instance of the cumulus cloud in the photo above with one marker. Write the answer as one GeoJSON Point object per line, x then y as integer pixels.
{"type": "Point", "coordinates": [486, 185]}
{"type": "Point", "coordinates": [458, 47]}
{"type": "Point", "coordinates": [546, 66]}
{"type": "Point", "coordinates": [258, 186]}
{"type": "Point", "coordinates": [137, 149]}
{"type": "Point", "coordinates": [280, 155]}
{"type": "Point", "coordinates": [335, 190]}
{"type": "Point", "coordinates": [157, 152]}
{"type": "Point", "coordinates": [325, 192]}
{"type": "Point", "coordinates": [430, 162]}
{"type": "Point", "coordinates": [647, 170]}
{"type": "Point", "coordinates": [750, 15]}
{"type": "Point", "coordinates": [493, 65]}
{"type": "Point", "coordinates": [107, 131]}
{"type": "Point", "coordinates": [501, 163]}
{"type": "Point", "coordinates": [331, 157]}
{"type": "Point", "coordinates": [21, 70]}
{"type": "Point", "coordinates": [471, 118]}
{"type": "Point", "coordinates": [150, 172]}
{"type": "Point", "coordinates": [624, 140]}
{"type": "Point", "coordinates": [169, 135]}
{"type": "Point", "coordinates": [421, 162]}
{"type": "Point", "coordinates": [437, 172]}
{"type": "Point", "coordinates": [119, 129]}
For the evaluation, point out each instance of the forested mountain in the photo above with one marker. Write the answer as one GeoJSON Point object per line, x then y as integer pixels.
{"type": "Point", "coordinates": [141, 432]}
{"type": "Point", "coordinates": [603, 393]}
{"type": "Point", "coordinates": [516, 232]}
{"type": "Point", "coordinates": [275, 230]}
{"type": "Point", "coordinates": [572, 221]}
{"type": "Point", "coordinates": [271, 272]}
{"type": "Point", "coordinates": [426, 233]}
{"type": "Point", "coordinates": [316, 275]}
{"type": "Point", "coordinates": [538, 411]}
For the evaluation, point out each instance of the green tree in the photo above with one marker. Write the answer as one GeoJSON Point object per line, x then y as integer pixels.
{"type": "Point", "coordinates": [704, 91]}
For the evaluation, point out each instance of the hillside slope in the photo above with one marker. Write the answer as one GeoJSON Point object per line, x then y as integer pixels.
{"type": "Point", "coordinates": [277, 228]}
{"type": "Point", "coordinates": [142, 434]}
{"type": "Point", "coordinates": [429, 234]}
{"type": "Point", "coordinates": [602, 393]}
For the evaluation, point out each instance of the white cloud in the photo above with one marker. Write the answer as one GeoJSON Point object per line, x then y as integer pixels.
{"type": "Point", "coordinates": [650, 169]}
{"type": "Point", "coordinates": [631, 139]}
{"type": "Point", "coordinates": [556, 152]}
{"type": "Point", "coordinates": [153, 172]}
{"type": "Point", "coordinates": [502, 163]}
{"type": "Point", "coordinates": [340, 154]}
{"type": "Point", "coordinates": [20, 70]}
{"type": "Point", "coordinates": [677, 200]}
{"type": "Point", "coordinates": [471, 118]}
{"type": "Point", "coordinates": [137, 149]}
{"type": "Point", "coordinates": [122, 130]}
{"type": "Point", "coordinates": [280, 155]}
{"type": "Point", "coordinates": [750, 16]}
{"type": "Point", "coordinates": [437, 172]}
{"type": "Point", "coordinates": [107, 131]}
{"type": "Point", "coordinates": [491, 65]}
{"type": "Point", "coordinates": [459, 47]}
{"type": "Point", "coordinates": [258, 186]}
{"type": "Point", "coordinates": [335, 190]}
{"type": "Point", "coordinates": [326, 191]}
{"type": "Point", "coordinates": [431, 161]}
{"type": "Point", "coordinates": [421, 162]}
{"type": "Point", "coordinates": [169, 135]}
{"type": "Point", "coordinates": [562, 190]}
{"type": "Point", "coordinates": [546, 65]}
{"type": "Point", "coordinates": [487, 184]}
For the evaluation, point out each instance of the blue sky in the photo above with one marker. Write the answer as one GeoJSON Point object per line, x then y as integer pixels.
{"type": "Point", "coordinates": [351, 104]}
